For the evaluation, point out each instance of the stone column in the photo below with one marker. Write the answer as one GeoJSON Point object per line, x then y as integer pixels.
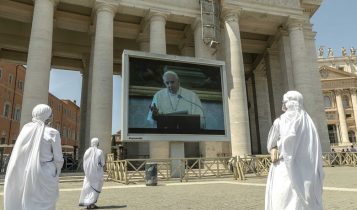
{"type": "Point", "coordinates": [157, 32]}
{"type": "Point", "coordinates": [201, 49]}
{"type": "Point", "coordinates": [285, 58]}
{"type": "Point", "coordinates": [263, 106]}
{"type": "Point", "coordinates": [143, 148]}
{"type": "Point", "coordinates": [317, 108]}
{"type": "Point", "coordinates": [207, 149]}
{"type": "Point", "coordinates": [83, 116]}
{"type": "Point", "coordinates": [237, 97]}
{"type": "Point", "coordinates": [353, 92]}
{"type": "Point", "coordinates": [39, 59]}
{"type": "Point", "coordinates": [187, 48]}
{"type": "Point", "coordinates": [341, 117]}
{"type": "Point", "coordinates": [305, 79]}
{"type": "Point", "coordinates": [303, 83]}
{"type": "Point", "coordinates": [88, 102]}
{"type": "Point", "coordinates": [102, 82]}
{"type": "Point", "coordinates": [298, 58]}
{"type": "Point", "coordinates": [190, 148]}
{"type": "Point", "coordinates": [275, 80]}
{"type": "Point", "coordinates": [158, 45]}
{"type": "Point", "coordinates": [253, 119]}
{"type": "Point", "coordinates": [144, 43]}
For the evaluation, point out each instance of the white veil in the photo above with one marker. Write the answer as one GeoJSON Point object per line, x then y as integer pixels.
{"type": "Point", "coordinates": [301, 150]}
{"type": "Point", "coordinates": [22, 177]}
{"type": "Point", "coordinates": [93, 163]}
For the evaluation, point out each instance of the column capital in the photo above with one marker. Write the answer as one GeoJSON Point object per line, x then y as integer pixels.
{"type": "Point", "coordinates": [196, 23]}
{"type": "Point", "coordinates": [308, 34]}
{"type": "Point", "coordinates": [294, 24]}
{"type": "Point", "coordinates": [105, 5]}
{"type": "Point", "coordinates": [282, 31]}
{"type": "Point", "coordinates": [55, 2]}
{"type": "Point", "coordinates": [231, 15]}
{"type": "Point", "coordinates": [157, 15]}
{"type": "Point", "coordinates": [353, 90]}
{"type": "Point", "coordinates": [339, 92]}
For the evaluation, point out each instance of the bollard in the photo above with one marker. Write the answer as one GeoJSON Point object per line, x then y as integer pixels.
{"type": "Point", "coordinates": [151, 174]}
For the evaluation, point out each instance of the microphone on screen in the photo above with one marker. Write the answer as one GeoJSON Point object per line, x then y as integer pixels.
{"type": "Point", "coordinates": [203, 117]}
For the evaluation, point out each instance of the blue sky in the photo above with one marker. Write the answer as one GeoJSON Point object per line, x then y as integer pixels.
{"type": "Point", "coordinates": [334, 22]}
{"type": "Point", "coordinates": [68, 84]}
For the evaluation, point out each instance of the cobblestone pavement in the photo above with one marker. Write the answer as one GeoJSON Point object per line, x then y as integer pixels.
{"type": "Point", "coordinates": [340, 192]}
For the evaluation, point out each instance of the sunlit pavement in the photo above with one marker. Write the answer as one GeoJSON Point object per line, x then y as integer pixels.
{"type": "Point", "coordinates": [340, 192]}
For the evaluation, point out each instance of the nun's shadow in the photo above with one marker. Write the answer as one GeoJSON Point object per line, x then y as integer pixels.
{"type": "Point", "coordinates": [110, 207]}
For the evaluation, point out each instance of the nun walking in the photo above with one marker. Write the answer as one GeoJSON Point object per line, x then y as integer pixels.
{"type": "Point", "coordinates": [93, 163]}
{"type": "Point", "coordinates": [295, 178]}
{"type": "Point", "coordinates": [31, 180]}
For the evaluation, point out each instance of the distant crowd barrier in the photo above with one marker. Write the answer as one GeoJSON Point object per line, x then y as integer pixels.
{"type": "Point", "coordinates": [133, 170]}
{"type": "Point", "coordinates": [332, 159]}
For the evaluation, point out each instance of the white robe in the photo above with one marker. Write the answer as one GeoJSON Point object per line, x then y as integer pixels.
{"type": "Point", "coordinates": [31, 181]}
{"type": "Point", "coordinates": [295, 181]}
{"type": "Point", "coordinates": [185, 101]}
{"type": "Point", "coordinates": [93, 163]}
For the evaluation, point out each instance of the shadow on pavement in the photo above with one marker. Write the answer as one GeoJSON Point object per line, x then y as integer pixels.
{"type": "Point", "coordinates": [112, 207]}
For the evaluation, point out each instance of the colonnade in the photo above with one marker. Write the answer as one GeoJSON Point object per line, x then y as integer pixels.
{"type": "Point", "coordinates": [98, 71]}
{"type": "Point", "coordinates": [343, 127]}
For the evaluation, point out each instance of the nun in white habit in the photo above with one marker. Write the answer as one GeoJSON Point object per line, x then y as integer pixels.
{"type": "Point", "coordinates": [93, 163]}
{"type": "Point", "coordinates": [31, 180]}
{"type": "Point", "coordinates": [296, 177]}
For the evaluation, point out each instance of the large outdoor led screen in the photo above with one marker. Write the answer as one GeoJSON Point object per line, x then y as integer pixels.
{"type": "Point", "coordinates": [173, 98]}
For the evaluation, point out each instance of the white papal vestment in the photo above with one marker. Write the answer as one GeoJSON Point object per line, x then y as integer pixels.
{"type": "Point", "coordinates": [184, 101]}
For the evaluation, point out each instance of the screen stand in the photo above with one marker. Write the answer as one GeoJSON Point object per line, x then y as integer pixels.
{"type": "Point", "coordinates": [177, 151]}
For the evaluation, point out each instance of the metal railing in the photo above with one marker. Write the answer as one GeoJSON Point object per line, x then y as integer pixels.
{"type": "Point", "coordinates": [340, 159]}
{"type": "Point", "coordinates": [133, 170]}
{"type": "Point", "coordinates": [4, 160]}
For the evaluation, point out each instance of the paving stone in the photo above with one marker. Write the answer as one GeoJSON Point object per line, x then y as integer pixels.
{"type": "Point", "coordinates": [208, 194]}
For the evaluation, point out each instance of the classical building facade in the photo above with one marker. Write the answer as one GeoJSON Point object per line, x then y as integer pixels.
{"type": "Point", "coordinates": [12, 78]}
{"type": "Point", "coordinates": [66, 119]}
{"type": "Point", "coordinates": [339, 86]}
{"type": "Point", "coordinates": [66, 114]}
{"type": "Point", "coordinates": [268, 47]}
